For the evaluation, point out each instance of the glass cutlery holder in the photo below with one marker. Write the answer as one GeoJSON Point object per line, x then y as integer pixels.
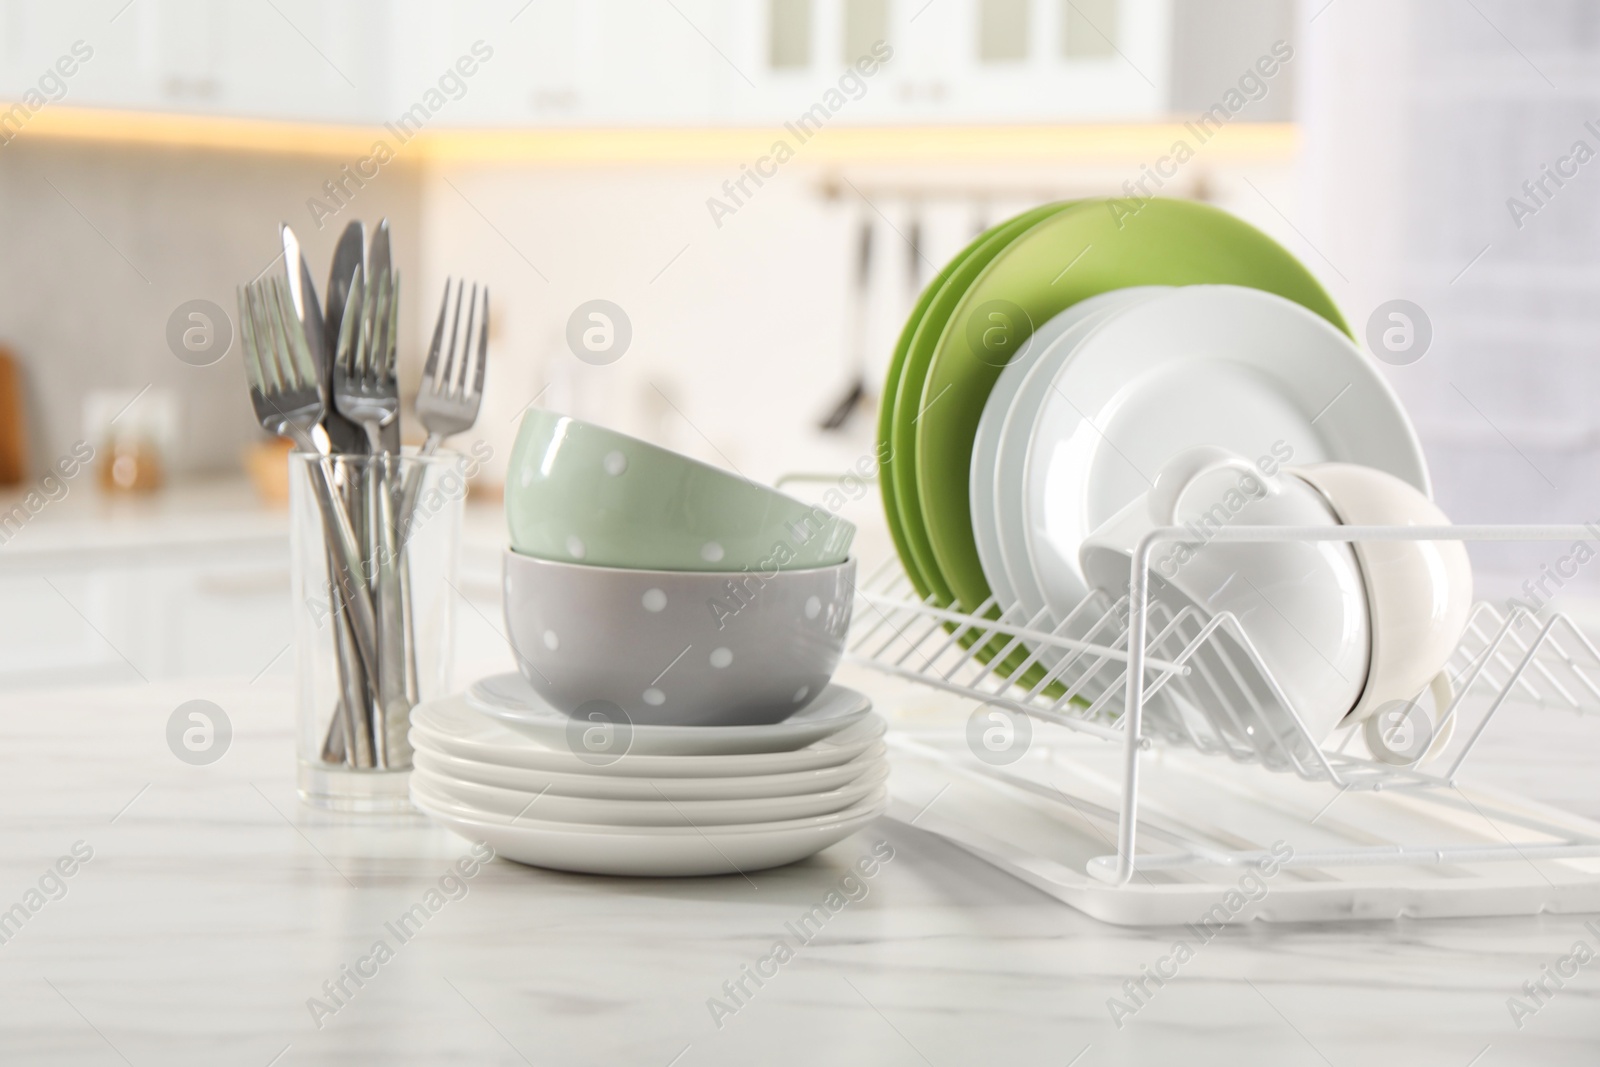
{"type": "Point", "coordinates": [373, 575]}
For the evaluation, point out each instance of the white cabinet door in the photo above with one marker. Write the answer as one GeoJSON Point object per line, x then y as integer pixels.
{"type": "Point", "coordinates": [46, 50]}
{"type": "Point", "coordinates": [463, 62]}
{"type": "Point", "coordinates": [952, 61]}
{"type": "Point", "coordinates": [290, 59]}
{"type": "Point", "coordinates": [568, 62]}
{"type": "Point", "coordinates": [1081, 61]}
{"type": "Point", "coordinates": [603, 63]}
{"type": "Point", "coordinates": [79, 626]}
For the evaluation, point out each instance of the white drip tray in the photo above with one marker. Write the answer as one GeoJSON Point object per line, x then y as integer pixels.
{"type": "Point", "coordinates": [1046, 818]}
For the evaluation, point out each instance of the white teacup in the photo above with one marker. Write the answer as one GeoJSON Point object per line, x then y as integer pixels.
{"type": "Point", "coordinates": [1419, 592]}
{"type": "Point", "coordinates": [1302, 604]}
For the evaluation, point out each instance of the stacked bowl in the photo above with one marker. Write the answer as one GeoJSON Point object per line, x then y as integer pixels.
{"type": "Point", "coordinates": [676, 629]}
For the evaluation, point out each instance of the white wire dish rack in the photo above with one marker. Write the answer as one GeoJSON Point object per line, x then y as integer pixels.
{"type": "Point", "coordinates": [1154, 828]}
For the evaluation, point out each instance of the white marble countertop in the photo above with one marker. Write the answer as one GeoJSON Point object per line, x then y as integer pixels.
{"type": "Point", "coordinates": [215, 906]}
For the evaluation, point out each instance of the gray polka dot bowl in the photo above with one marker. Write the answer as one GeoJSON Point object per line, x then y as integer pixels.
{"type": "Point", "coordinates": [682, 648]}
{"type": "Point", "coordinates": [580, 493]}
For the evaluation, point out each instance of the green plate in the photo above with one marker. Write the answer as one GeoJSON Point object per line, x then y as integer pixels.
{"type": "Point", "coordinates": [901, 498]}
{"type": "Point", "coordinates": [1070, 256]}
{"type": "Point", "coordinates": [886, 410]}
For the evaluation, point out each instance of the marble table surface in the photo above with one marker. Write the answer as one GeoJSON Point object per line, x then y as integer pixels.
{"type": "Point", "coordinates": [213, 908]}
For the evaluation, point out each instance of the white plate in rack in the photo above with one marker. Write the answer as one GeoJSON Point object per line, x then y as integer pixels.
{"type": "Point", "coordinates": [1000, 445]}
{"type": "Point", "coordinates": [508, 698]}
{"type": "Point", "coordinates": [1199, 365]}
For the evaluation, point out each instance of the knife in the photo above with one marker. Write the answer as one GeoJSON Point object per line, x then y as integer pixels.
{"type": "Point", "coordinates": [380, 263]}
{"type": "Point", "coordinates": [349, 253]}
{"type": "Point", "coordinates": [380, 259]}
{"type": "Point", "coordinates": [357, 732]}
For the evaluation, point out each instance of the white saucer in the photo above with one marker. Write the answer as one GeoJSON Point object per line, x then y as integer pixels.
{"type": "Point", "coordinates": [508, 698]}
{"type": "Point", "coordinates": [618, 787]}
{"type": "Point", "coordinates": [451, 726]}
{"type": "Point", "coordinates": [652, 851]}
{"type": "Point", "coordinates": [519, 805]}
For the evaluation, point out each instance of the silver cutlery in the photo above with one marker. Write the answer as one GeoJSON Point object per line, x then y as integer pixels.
{"type": "Point", "coordinates": [366, 391]}
{"type": "Point", "coordinates": [327, 379]}
{"type": "Point", "coordinates": [451, 392]}
{"type": "Point", "coordinates": [447, 403]}
{"type": "Point", "coordinates": [348, 254]}
{"type": "Point", "coordinates": [289, 400]}
{"type": "Point", "coordinates": [347, 439]}
{"type": "Point", "coordinates": [380, 264]}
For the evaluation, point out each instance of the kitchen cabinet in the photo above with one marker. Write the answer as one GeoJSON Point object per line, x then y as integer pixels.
{"type": "Point", "coordinates": [189, 582]}
{"type": "Point", "coordinates": [770, 62]}
{"type": "Point", "coordinates": [617, 63]}
{"type": "Point", "coordinates": [146, 623]}
{"type": "Point", "coordinates": [1112, 66]}
{"type": "Point", "coordinates": [290, 59]}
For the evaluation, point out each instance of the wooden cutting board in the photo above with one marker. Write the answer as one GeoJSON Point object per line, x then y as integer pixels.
{"type": "Point", "coordinates": [13, 423]}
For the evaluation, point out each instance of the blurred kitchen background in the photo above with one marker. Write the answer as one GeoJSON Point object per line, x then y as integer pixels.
{"type": "Point", "coordinates": [623, 150]}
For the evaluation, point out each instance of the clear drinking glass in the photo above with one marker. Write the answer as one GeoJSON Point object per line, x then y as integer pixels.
{"type": "Point", "coordinates": [379, 639]}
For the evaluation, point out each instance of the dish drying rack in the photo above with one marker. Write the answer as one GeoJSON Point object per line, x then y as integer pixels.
{"type": "Point", "coordinates": [1172, 696]}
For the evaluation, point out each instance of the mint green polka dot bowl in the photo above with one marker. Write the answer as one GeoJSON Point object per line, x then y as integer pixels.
{"type": "Point", "coordinates": [580, 493]}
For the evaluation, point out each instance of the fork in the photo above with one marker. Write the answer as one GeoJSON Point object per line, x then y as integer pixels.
{"type": "Point", "coordinates": [450, 396]}
{"type": "Point", "coordinates": [447, 404]}
{"type": "Point", "coordinates": [287, 395]}
{"type": "Point", "coordinates": [365, 389]}
{"type": "Point", "coordinates": [366, 392]}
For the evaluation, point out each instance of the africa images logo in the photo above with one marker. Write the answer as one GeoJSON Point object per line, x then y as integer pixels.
{"type": "Point", "coordinates": [852, 85]}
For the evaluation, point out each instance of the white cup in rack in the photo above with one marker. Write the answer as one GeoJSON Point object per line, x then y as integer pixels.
{"type": "Point", "coordinates": [1301, 604]}
{"type": "Point", "coordinates": [1419, 592]}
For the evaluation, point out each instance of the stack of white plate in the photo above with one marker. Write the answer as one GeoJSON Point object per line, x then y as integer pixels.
{"type": "Point", "coordinates": [501, 766]}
